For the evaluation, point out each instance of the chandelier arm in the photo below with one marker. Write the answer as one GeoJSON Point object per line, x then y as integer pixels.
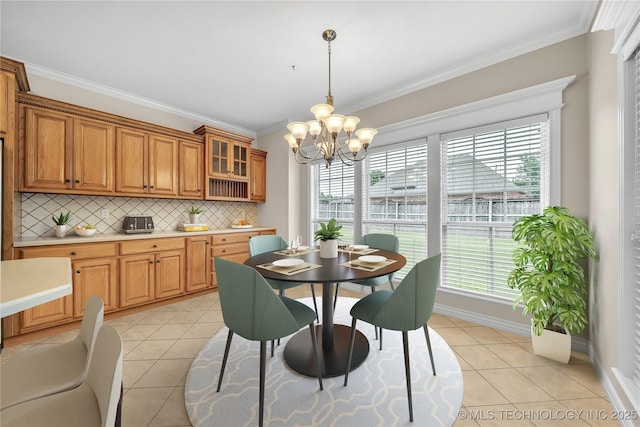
{"type": "Point", "coordinates": [350, 157]}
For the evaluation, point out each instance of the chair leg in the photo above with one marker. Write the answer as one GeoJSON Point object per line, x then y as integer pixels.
{"type": "Point", "coordinates": [380, 338]}
{"type": "Point", "coordinates": [118, 422]}
{"type": "Point", "coordinates": [314, 344]}
{"type": "Point", "coordinates": [373, 289]}
{"type": "Point", "coordinates": [407, 370]}
{"type": "Point", "coordinates": [335, 298]}
{"type": "Point", "coordinates": [426, 334]}
{"type": "Point", "coordinates": [224, 358]}
{"type": "Point", "coordinates": [272, 342]}
{"type": "Point", "coordinates": [315, 304]}
{"type": "Point", "coordinates": [352, 339]}
{"type": "Point", "coordinates": [263, 363]}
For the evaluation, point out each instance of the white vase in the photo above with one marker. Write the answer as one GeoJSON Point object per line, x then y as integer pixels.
{"type": "Point", "coordinates": [193, 218]}
{"type": "Point", "coordinates": [61, 230]}
{"type": "Point", "coordinates": [552, 345]}
{"type": "Point", "coordinates": [329, 248]}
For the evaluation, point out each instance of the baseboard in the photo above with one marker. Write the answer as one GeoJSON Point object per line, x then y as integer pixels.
{"type": "Point", "coordinates": [617, 402]}
{"type": "Point", "coordinates": [577, 343]}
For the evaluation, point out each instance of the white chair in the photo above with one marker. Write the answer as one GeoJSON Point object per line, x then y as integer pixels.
{"type": "Point", "coordinates": [50, 369]}
{"type": "Point", "coordinates": [93, 403]}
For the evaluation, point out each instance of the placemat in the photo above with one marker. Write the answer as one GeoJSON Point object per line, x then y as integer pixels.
{"type": "Point", "coordinates": [289, 252]}
{"type": "Point", "coordinates": [290, 271]}
{"type": "Point", "coordinates": [367, 267]}
{"type": "Point", "coordinates": [360, 251]}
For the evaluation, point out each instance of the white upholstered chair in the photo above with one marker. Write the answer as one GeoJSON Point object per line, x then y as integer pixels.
{"type": "Point", "coordinates": [93, 403]}
{"type": "Point", "coordinates": [50, 369]}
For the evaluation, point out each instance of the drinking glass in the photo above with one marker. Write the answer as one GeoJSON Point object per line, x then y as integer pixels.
{"type": "Point", "coordinates": [294, 246]}
{"type": "Point", "coordinates": [349, 249]}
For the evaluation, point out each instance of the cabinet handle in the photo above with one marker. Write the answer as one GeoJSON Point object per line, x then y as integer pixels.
{"type": "Point", "coordinates": [144, 186]}
{"type": "Point", "coordinates": [155, 246]}
{"type": "Point", "coordinates": [73, 253]}
{"type": "Point", "coordinates": [67, 180]}
{"type": "Point", "coordinates": [78, 271]}
{"type": "Point", "coordinates": [224, 251]}
{"type": "Point", "coordinates": [150, 262]}
{"type": "Point", "coordinates": [224, 239]}
{"type": "Point", "coordinates": [151, 186]}
{"type": "Point", "coordinates": [158, 261]}
{"type": "Point", "coordinates": [77, 181]}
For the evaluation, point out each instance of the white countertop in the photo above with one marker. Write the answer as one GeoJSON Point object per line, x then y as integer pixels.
{"type": "Point", "coordinates": [25, 283]}
{"type": "Point", "coordinates": [71, 238]}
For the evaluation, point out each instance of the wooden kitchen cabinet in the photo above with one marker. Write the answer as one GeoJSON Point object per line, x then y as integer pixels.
{"type": "Point", "coordinates": [94, 273]}
{"type": "Point", "coordinates": [152, 269]}
{"type": "Point", "coordinates": [198, 255]}
{"type": "Point", "coordinates": [233, 247]}
{"type": "Point", "coordinates": [66, 154]}
{"type": "Point", "coordinates": [191, 166]}
{"type": "Point", "coordinates": [146, 164]}
{"type": "Point", "coordinates": [258, 181]}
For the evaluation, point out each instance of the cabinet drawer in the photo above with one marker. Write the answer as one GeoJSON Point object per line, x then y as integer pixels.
{"type": "Point", "coordinates": [222, 239]}
{"type": "Point", "coordinates": [79, 251]}
{"type": "Point", "coordinates": [150, 245]}
{"type": "Point", "coordinates": [233, 248]}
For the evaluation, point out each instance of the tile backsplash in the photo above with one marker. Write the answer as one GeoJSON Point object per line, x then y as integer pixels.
{"type": "Point", "coordinates": [36, 210]}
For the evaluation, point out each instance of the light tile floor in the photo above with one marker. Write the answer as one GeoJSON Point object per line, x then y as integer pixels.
{"type": "Point", "coordinates": [504, 382]}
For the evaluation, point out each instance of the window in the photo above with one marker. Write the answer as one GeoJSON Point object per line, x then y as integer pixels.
{"type": "Point", "coordinates": [333, 192]}
{"type": "Point", "coordinates": [491, 176]}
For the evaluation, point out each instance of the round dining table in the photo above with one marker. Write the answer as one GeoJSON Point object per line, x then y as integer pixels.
{"type": "Point", "coordinates": [333, 339]}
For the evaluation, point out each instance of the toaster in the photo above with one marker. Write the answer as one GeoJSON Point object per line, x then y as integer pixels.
{"type": "Point", "coordinates": [137, 224]}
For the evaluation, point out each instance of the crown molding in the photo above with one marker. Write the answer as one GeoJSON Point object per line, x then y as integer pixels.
{"type": "Point", "coordinates": [622, 17]}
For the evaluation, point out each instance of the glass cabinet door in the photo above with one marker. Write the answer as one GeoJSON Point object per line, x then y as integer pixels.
{"type": "Point", "coordinates": [219, 157]}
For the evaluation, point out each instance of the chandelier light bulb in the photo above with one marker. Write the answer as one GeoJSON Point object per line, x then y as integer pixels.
{"type": "Point", "coordinates": [314, 128]}
{"type": "Point", "coordinates": [334, 123]}
{"type": "Point", "coordinates": [291, 140]}
{"type": "Point", "coordinates": [298, 130]}
{"type": "Point", "coordinates": [354, 145]}
{"type": "Point", "coordinates": [320, 111]}
{"type": "Point", "coordinates": [350, 124]}
{"type": "Point", "coordinates": [366, 135]}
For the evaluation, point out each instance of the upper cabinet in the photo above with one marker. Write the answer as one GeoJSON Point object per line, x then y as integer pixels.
{"type": "Point", "coordinates": [65, 148]}
{"type": "Point", "coordinates": [258, 163]}
{"type": "Point", "coordinates": [227, 164]}
{"type": "Point", "coordinates": [191, 165]}
{"type": "Point", "coordinates": [146, 164]}
{"type": "Point", "coordinates": [63, 153]}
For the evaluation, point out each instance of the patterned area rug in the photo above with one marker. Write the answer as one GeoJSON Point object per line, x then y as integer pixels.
{"type": "Point", "coordinates": [376, 394]}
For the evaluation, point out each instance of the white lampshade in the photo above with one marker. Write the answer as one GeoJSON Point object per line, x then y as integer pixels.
{"type": "Point", "coordinates": [291, 140]}
{"type": "Point", "coordinates": [334, 122]}
{"type": "Point", "coordinates": [314, 127]}
{"type": "Point", "coordinates": [354, 145]}
{"type": "Point", "coordinates": [320, 111]}
{"type": "Point", "coordinates": [298, 129]}
{"type": "Point", "coordinates": [366, 135]}
{"type": "Point", "coordinates": [351, 123]}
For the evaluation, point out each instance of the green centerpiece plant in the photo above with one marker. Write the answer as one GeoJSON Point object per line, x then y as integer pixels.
{"type": "Point", "coordinates": [552, 284]}
{"type": "Point", "coordinates": [328, 234]}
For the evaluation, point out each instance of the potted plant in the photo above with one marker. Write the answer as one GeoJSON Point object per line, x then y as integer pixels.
{"type": "Point", "coordinates": [194, 214]}
{"type": "Point", "coordinates": [552, 284]}
{"type": "Point", "coordinates": [328, 235]}
{"type": "Point", "coordinates": [61, 223]}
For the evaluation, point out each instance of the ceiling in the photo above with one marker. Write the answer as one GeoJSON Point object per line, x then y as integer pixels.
{"type": "Point", "coordinates": [251, 67]}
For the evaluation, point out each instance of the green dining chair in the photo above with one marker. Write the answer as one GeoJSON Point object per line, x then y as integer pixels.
{"type": "Point", "coordinates": [270, 243]}
{"type": "Point", "coordinates": [252, 310]}
{"type": "Point", "coordinates": [407, 308]}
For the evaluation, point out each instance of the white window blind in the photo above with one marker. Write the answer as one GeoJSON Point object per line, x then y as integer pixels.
{"type": "Point", "coordinates": [395, 198]}
{"type": "Point", "coordinates": [636, 235]}
{"type": "Point", "coordinates": [332, 196]}
{"type": "Point", "coordinates": [491, 176]}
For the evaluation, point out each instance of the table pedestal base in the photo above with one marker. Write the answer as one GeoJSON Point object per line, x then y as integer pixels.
{"type": "Point", "coordinates": [298, 352]}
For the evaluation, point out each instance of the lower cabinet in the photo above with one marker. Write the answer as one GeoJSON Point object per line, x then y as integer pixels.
{"type": "Point", "coordinates": [133, 272]}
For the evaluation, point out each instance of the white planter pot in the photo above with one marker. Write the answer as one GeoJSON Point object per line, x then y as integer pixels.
{"type": "Point", "coordinates": [552, 345]}
{"type": "Point", "coordinates": [329, 248]}
{"type": "Point", "coordinates": [194, 218]}
{"type": "Point", "coordinates": [61, 230]}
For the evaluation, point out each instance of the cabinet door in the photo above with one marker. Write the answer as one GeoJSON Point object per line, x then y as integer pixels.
{"type": "Point", "coordinates": [198, 276]}
{"type": "Point", "coordinates": [169, 274]}
{"type": "Point", "coordinates": [137, 275]}
{"type": "Point", "coordinates": [217, 157]}
{"type": "Point", "coordinates": [190, 166]}
{"type": "Point", "coordinates": [47, 314]}
{"type": "Point", "coordinates": [7, 83]}
{"type": "Point", "coordinates": [239, 161]}
{"type": "Point", "coordinates": [258, 177]}
{"type": "Point", "coordinates": [47, 150]}
{"type": "Point", "coordinates": [93, 144]}
{"type": "Point", "coordinates": [163, 165]}
{"type": "Point", "coordinates": [94, 277]}
{"type": "Point", "coordinates": [132, 173]}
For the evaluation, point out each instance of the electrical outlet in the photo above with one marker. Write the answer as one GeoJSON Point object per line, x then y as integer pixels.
{"type": "Point", "coordinates": [105, 213]}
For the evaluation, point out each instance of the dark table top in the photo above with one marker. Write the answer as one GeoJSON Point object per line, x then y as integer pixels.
{"type": "Point", "coordinates": [331, 271]}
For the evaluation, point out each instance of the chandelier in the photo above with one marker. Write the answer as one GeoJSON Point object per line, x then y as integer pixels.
{"type": "Point", "coordinates": [326, 130]}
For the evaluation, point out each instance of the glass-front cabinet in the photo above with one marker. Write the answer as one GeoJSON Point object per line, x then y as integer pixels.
{"type": "Point", "coordinates": [227, 164]}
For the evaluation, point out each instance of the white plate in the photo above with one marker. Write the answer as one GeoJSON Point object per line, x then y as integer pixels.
{"type": "Point", "coordinates": [360, 247]}
{"type": "Point", "coordinates": [288, 262]}
{"type": "Point", "coordinates": [372, 259]}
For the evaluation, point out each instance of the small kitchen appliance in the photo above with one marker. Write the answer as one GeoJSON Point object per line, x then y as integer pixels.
{"type": "Point", "coordinates": [133, 224]}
